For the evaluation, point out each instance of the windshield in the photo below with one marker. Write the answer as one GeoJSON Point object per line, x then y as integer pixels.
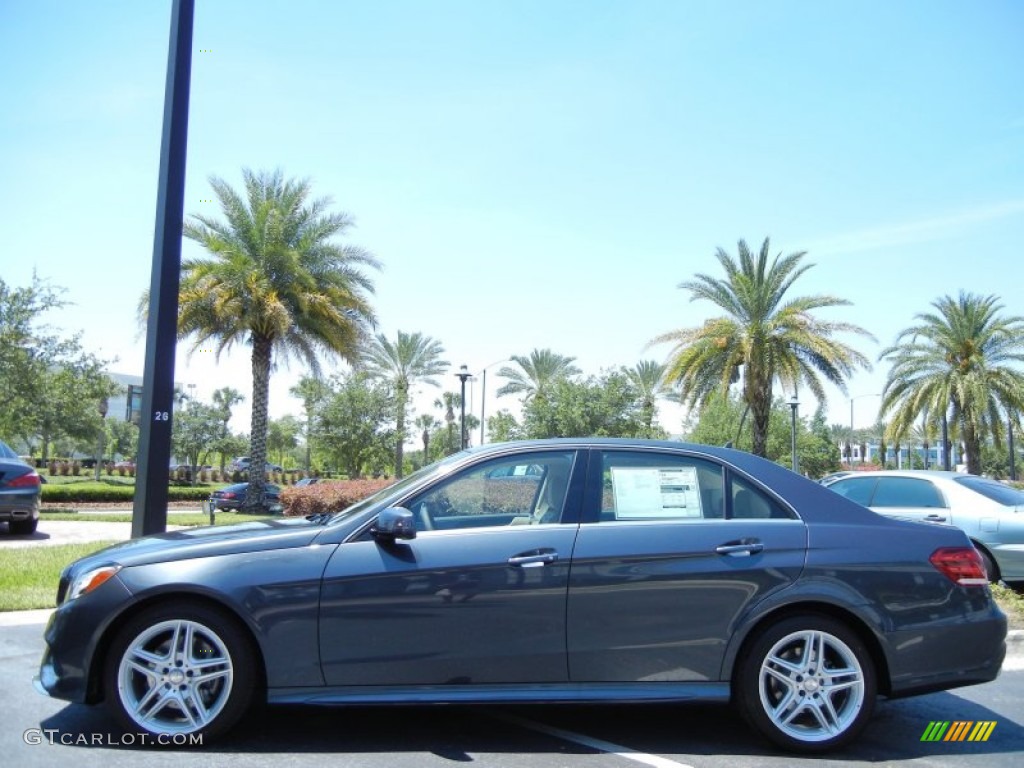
{"type": "Point", "coordinates": [990, 489]}
{"type": "Point", "coordinates": [395, 489]}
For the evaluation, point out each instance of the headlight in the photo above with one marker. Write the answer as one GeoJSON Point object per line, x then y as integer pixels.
{"type": "Point", "coordinates": [86, 582]}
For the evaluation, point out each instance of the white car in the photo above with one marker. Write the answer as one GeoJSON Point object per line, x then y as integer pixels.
{"type": "Point", "coordinates": [991, 513]}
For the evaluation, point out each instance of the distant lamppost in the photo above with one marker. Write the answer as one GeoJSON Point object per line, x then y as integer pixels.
{"type": "Point", "coordinates": [793, 405]}
{"type": "Point", "coordinates": [1009, 438]}
{"type": "Point", "coordinates": [99, 438]}
{"type": "Point", "coordinates": [483, 396]}
{"type": "Point", "coordinates": [857, 397]}
{"type": "Point", "coordinates": [463, 375]}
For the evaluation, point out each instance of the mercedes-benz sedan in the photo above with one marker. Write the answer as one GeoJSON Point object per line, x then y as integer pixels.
{"type": "Point", "coordinates": [606, 571]}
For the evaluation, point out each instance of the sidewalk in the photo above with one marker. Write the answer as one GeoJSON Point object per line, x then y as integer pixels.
{"type": "Point", "coordinates": [55, 532]}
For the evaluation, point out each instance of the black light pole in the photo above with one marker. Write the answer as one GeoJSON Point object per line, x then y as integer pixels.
{"type": "Point", "coordinates": [463, 375]}
{"type": "Point", "coordinates": [99, 438]}
{"type": "Point", "coordinates": [945, 442]}
{"type": "Point", "coordinates": [149, 514]}
{"type": "Point", "coordinates": [793, 405]}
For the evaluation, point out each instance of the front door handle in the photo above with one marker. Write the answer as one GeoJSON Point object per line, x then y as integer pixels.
{"type": "Point", "coordinates": [935, 518]}
{"type": "Point", "coordinates": [536, 559]}
{"type": "Point", "coordinates": [741, 548]}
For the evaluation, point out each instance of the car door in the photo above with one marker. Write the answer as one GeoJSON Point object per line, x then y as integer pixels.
{"type": "Point", "coordinates": [910, 498]}
{"type": "Point", "coordinates": [477, 597]}
{"type": "Point", "coordinates": [671, 551]}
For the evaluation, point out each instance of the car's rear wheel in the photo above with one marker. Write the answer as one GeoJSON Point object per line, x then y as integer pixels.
{"type": "Point", "coordinates": [24, 527]}
{"type": "Point", "coordinates": [991, 569]}
{"type": "Point", "coordinates": [180, 668]}
{"type": "Point", "coordinates": [807, 683]}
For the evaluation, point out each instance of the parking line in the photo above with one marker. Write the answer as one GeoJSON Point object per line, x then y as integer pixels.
{"type": "Point", "coordinates": [588, 741]}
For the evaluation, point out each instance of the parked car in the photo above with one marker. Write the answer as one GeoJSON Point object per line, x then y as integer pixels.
{"type": "Point", "coordinates": [831, 477]}
{"type": "Point", "coordinates": [620, 571]}
{"type": "Point", "coordinates": [125, 464]}
{"type": "Point", "coordinates": [306, 481]}
{"type": "Point", "coordinates": [241, 464]}
{"type": "Point", "coordinates": [233, 496]}
{"type": "Point", "coordinates": [991, 513]}
{"type": "Point", "coordinates": [19, 493]}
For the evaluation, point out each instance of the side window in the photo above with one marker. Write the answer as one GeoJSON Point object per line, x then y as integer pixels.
{"type": "Point", "coordinates": [525, 490]}
{"type": "Point", "coordinates": [654, 486]}
{"type": "Point", "coordinates": [856, 489]}
{"type": "Point", "coordinates": [906, 492]}
{"type": "Point", "coordinates": [749, 503]}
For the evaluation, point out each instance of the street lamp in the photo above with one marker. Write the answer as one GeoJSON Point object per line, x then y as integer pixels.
{"type": "Point", "coordinates": [99, 438]}
{"type": "Point", "coordinates": [793, 405]}
{"type": "Point", "coordinates": [463, 375]}
{"type": "Point", "coordinates": [858, 397]}
{"type": "Point", "coordinates": [483, 396]}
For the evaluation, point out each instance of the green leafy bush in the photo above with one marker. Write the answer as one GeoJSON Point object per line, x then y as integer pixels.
{"type": "Point", "coordinates": [329, 496]}
{"type": "Point", "coordinates": [99, 492]}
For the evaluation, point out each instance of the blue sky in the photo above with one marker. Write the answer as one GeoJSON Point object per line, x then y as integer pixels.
{"type": "Point", "coordinates": [533, 174]}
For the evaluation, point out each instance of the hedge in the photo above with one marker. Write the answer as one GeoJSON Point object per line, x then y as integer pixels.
{"type": "Point", "coordinates": [328, 496]}
{"type": "Point", "coordinates": [113, 493]}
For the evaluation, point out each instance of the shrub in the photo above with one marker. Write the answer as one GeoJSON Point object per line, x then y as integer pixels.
{"type": "Point", "coordinates": [332, 496]}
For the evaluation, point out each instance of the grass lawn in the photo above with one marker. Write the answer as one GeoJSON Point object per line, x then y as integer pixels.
{"type": "Point", "coordinates": [29, 575]}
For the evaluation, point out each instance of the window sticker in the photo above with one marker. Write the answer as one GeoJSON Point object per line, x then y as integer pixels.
{"type": "Point", "coordinates": [652, 493]}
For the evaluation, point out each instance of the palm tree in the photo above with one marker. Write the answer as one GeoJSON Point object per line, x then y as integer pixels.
{"type": "Point", "coordinates": [412, 358]}
{"type": "Point", "coordinates": [648, 377]}
{"type": "Point", "coordinates": [224, 399]}
{"type": "Point", "coordinates": [426, 423]}
{"type": "Point", "coordinates": [448, 402]}
{"type": "Point", "coordinates": [275, 282]}
{"type": "Point", "coordinates": [963, 356]}
{"type": "Point", "coordinates": [312, 391]}
{"type": "Point", "coordinates": [772, 338]}
{"type": "Point", "coordinates": [536, 374]}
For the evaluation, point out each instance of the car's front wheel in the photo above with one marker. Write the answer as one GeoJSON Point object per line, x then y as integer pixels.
{"type": "Point", "coordinates": [807, 683]}
{"type": "Point", "coordinates": [180, 668]}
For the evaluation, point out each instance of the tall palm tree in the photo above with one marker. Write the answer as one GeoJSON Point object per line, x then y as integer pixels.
{"type": "Point", "coordinates": [312, 391]}
{"type": "Point", "coordinates": [648, 378]}
{"type": "Point", "coordinates": [411, 359]}
{"type": "Point", "coordinates": [426, 422]}
{"type": "Point", "coordinates": [962, 356]}
{"type": "Point", "coordinates": [274, 281]}
{"type": "Point", "coordinates": [772, 337]}
{"type": "Point", "coordinates": [535, 374]}
{"type": "Point", "coordinates": [224, 399]}
{"type": "Point", "coordinates": [448, 402]}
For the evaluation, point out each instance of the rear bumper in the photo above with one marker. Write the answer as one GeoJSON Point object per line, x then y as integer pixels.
{"type": "Point", "coordinates": [19, 507]}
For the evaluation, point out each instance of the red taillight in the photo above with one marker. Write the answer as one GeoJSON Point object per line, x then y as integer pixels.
{"type": "Point", "coordinates": [226, 495]}
{"type": "Point", "coordinates": [28, 480]}
{"type": "Point", "coordinates": [962, 565]}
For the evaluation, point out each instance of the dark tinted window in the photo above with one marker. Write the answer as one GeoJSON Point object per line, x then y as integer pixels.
{"type": "Point", "coordinates": [856, 489]}
{"type": "Point", "coordinates": [906, 492]}
{"type": "Point", "coordinates": [990, 489]}
{"type": "Point", "coordinates": [749, 503]}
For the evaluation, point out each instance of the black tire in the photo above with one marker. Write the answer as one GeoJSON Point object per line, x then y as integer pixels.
{"type": "Point", "coordinates": [155, 692]}
{"type": "Point", "coordinates": [788, 689]}
{"type": "Point", "coordinates": [990, 565]}
{"type": "Point", "coordinates": [24, 527]}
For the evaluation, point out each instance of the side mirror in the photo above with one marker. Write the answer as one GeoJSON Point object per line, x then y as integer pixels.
{"type": "Point", "coordinates": [392, 524]}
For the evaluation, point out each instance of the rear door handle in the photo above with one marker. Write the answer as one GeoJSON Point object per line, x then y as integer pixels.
{"type": "Point", "coordinates": [741, 548]}
{"type": "Point", "coordinates": [536, 559]}
{"type": "Point", "coordinates": [935, 518]}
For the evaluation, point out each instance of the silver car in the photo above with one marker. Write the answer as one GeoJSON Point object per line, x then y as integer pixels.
{"type": "Point", "coordinates": [991, 513]}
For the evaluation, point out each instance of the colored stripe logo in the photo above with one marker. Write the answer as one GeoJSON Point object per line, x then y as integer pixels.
{"type": "Point", "coordinates": [958, 730]}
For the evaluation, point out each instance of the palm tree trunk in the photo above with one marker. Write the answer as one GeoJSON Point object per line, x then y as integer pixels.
{"type": "Point", "coordinates": [402, 397]}
{"type": "Point", "coordinates": [262, 351]}
{"type": "Point", "coordinates": [759, 397]}
{"type": "Point", "coordinates": [972, 445]}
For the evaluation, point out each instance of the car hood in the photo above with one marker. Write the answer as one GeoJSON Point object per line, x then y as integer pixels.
{"type": "Point", "coordinates": [207, 541]}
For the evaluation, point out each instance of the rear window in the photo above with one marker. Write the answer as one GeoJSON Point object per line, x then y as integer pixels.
{"type": "Point", "coordinates": [990, 489]}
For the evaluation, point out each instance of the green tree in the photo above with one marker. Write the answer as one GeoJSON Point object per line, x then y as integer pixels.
{"type": "Point", "coordinates": [648, 380]}
{"type": "Point", "coordinates": [533, 376]}
{"type": "Point", "coordinates": [311, 390]}
{"type": "Point", "coordinates": [122, 438]}
{"type": "Point", "coordinates": [426, 423]}
{"type": "Point", "coordinates": [194, 430]}
{"type": "Point", "coordinates": [275, 282]}
{"type": "Point", "coordinates": [962, 356]}
{"type": "Point", "coordinates": [224, 399]}
{"type": "Point", "coordinates": [603, 406]}
{"type": "Point", "coordinates": [352, 423]}
{"type": "Point", "coordinates": [283, 437]}
{"type": "Point", "coordinates": [773, 338]}
{"type": "Point", "coordinates": [409, 360]}
{"type": "Point", "coordinates": [447, 440]}
{"type": "Point", "coordinates": [503, 427]}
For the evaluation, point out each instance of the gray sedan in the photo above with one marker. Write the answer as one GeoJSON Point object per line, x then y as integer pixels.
{"type": "Point", "coordinates": [601, 571]}
{"type": "Point", "coordinates": [19, 493]}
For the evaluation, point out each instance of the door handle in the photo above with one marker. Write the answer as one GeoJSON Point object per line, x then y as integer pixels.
{"type": "Point", "coordinates": [935, 518]}
{"type": "Point", "coordinates": [533, 559]}
{"type": "Point", "coordinates": [742, 548]}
